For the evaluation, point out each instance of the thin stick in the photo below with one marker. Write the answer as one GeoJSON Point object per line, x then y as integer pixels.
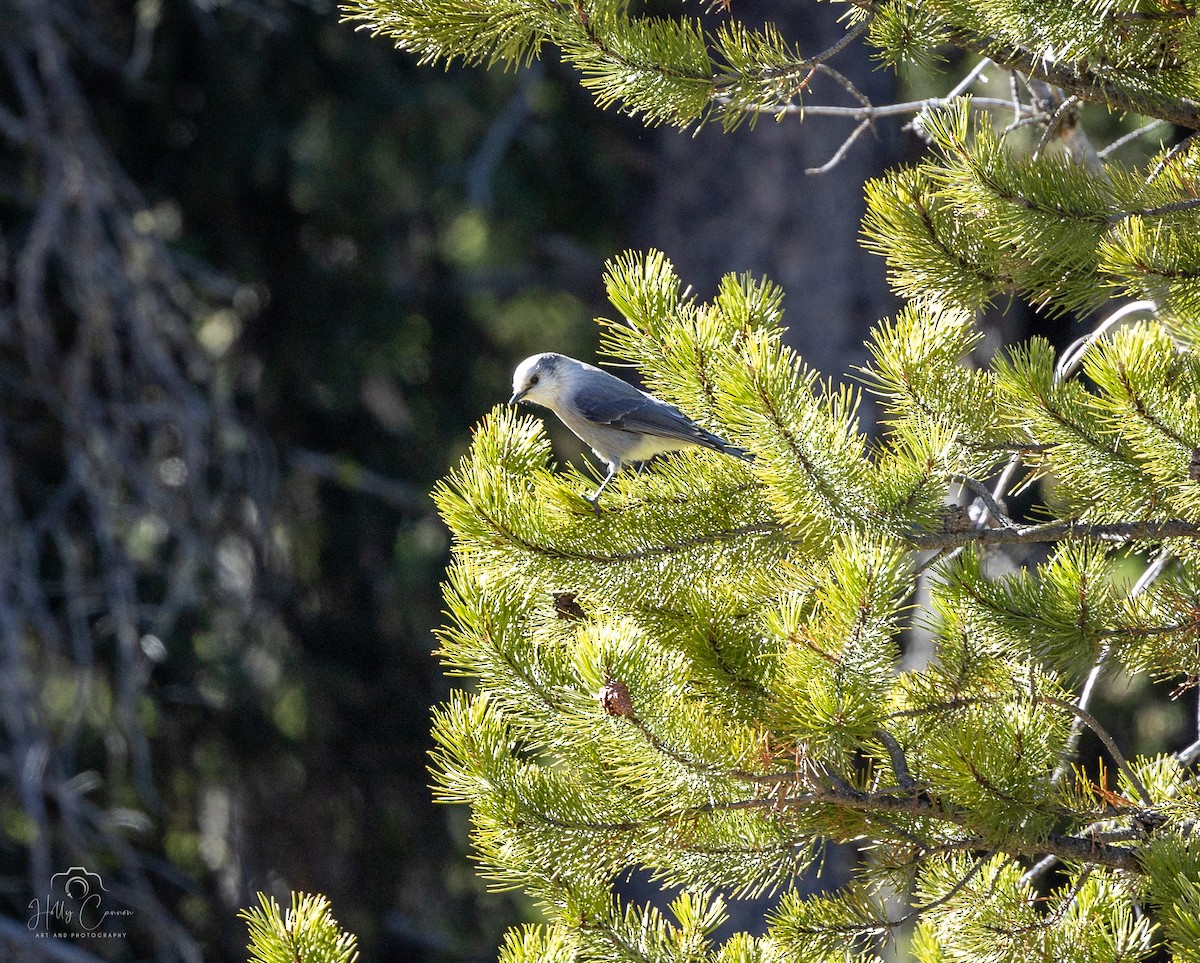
{"type": "Point", "coordinates": [1053, 124]}
{"type": "Point", "coordinates": [1073, 356]}
{"type": "Point", "coordinates": [841, 151]}
{"type": "Point", "coordinates": [1170, 156]}
{"type": "Point", "coordinates": [970, 78]}
{"type": "Point", "coordinates": [885, 110]}
{"type": "Point", "coordinates": [1102, 734]}
{"type": "Point", "coordinates": [1133, 135]}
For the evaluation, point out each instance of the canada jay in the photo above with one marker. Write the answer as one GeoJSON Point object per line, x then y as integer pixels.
{"type": "Point", "coordinates": [617, 421]}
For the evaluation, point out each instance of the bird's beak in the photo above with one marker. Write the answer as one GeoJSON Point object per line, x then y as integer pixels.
{"type": "Point", "coordinates": [517, 396]}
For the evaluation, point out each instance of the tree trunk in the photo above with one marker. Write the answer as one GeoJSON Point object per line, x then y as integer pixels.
{"type": "Point", "coordinates": [741, 201]}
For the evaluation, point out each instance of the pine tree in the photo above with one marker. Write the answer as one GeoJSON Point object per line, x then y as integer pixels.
{"type": "Point", "coordinates": [704, 682]}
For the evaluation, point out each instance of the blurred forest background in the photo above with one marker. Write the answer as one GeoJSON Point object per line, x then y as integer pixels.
{"type": "Point", "coordinates": [259, 274]}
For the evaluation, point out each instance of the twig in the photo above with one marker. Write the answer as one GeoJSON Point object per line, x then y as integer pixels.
{"type": "Point", "coordinates": [1067, 365]}
{"type": "Point", "coordinates": [1115, 532]}
{"type": "Point", "coordinates": [1152, 572]}
{"type": "Point", "coordinates": [942, 900]}
{"type": "Point", "coordinates": [884, 110]}
{"type": "Point", "coordinates": [989, 500]}
{"type": "Point", "coordinates": [1073, 356]}
{"type": "Point", "coordinates": [1014, 90]}
{"type": "Point", "coordinates": [970, 78]}
{"type": "Point", "coordinates": [1170, 156]}
{"type": "Point", "coordinates": [936, 558]}
{"type": "Point", "coordinates": [1052, 919]}
{"type": "Point", "coordinates": [1133, 135]}
{"type": "Point", "coordinates": [1074, 141]}
{"type": "Point", "coordinates": [1189, 204]}
{"type": "Point", "coordinates": [958, 90]}
{"type": "Point", "coordinates": [896, 754]}
{"type": "Point", "coordinates": [1053, 124]}
{"type": "Point", "coordinates": [845, 83]}
{"type": "Point", "coordinates": [1102, 734]}
{"type": "Point", "coordinates": [1189, 755]}
{"type": "Point", "coordinates": [841, 151]}
{"type": "Point", "coordinates": [1085, 697]}
{"type": "Point", "coordinates": [850, 36]}
{"type": "Point", "coordinates": [1074, 78]}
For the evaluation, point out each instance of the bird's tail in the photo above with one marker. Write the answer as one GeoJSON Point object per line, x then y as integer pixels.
{"type": "Point", "coordinates": [717, 443]}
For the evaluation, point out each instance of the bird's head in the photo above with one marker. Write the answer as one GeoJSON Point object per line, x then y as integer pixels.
{"type": "Point", "coordinates": [540, 379]}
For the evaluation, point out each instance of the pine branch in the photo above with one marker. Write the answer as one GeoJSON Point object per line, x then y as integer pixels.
{"type": "Point", "coordinates": [1093, 849]}
{"type": "Point", "coordinates": [1075, 78]}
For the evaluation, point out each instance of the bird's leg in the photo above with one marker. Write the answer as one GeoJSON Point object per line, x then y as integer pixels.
{"type": "Point", "coordinates": [594, 498]}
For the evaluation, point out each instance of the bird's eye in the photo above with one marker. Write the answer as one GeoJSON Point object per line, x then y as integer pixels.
{"type": "Point", "coordinates": [534, 379]}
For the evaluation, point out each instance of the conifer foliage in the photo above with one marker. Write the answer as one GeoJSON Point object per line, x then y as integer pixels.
{"type": "Point", "coordinates": [307, 933]}
{"type": "Point", "coordinates": [704, 683]}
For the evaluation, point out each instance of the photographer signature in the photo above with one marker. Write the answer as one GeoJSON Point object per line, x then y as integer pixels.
{"type": "Point", "coordinates": [76, 904]}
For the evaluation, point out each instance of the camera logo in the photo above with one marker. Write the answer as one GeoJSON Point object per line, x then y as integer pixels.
{"type": "Point", "coordinates": [76, 905]}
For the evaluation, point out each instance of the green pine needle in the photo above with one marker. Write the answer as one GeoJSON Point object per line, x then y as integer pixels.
{"type": "Point", "coordinates": [307, 933]}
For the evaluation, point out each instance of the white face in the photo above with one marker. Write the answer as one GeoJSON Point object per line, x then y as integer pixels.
{"type": "Point", "coordinates": [538, 379]}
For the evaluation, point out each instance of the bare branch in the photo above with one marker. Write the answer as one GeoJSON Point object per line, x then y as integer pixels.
{"type": "Point", "coordinates": [1129, 138]}
{"type": "Point", "coordinates": [896, 754]}
{"type": "Point", "coordinates": [975, 73]}
{"type": "Point", "coordinates": [1189, 755]}
{"type": "Point", "coordinates": [989, 500]}
{"type": "Point", "coordinates": [1115, 532]}
{"type": "Point", "coordinates": [1102, 734]}
{"type": "Point", "coordinates": [1054, 123]}
{"type": "Point", "coordinates": [836, 48]}
{"type": "Point", "coordinates": [884, 110]}
{"type": "Point", "coordinates": [841, 152]}
{"type": "Point", "coordinates": [1073, 356]}
{"type": "Point", "coordinates": [1170, 156]}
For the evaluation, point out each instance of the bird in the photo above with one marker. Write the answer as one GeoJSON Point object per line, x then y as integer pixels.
{"type": "Point", "coordinates": [619, 422]}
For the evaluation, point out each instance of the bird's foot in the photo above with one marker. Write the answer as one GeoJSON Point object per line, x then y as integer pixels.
{"type": "Point", "coordinates": [594, 501]}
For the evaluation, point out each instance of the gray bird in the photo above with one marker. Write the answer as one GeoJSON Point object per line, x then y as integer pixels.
{"type": "Point", "coordinates": [617, 421]}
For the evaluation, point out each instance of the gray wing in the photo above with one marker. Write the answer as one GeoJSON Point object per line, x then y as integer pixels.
{"type": "Point", "coordinates": [627, 409]}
